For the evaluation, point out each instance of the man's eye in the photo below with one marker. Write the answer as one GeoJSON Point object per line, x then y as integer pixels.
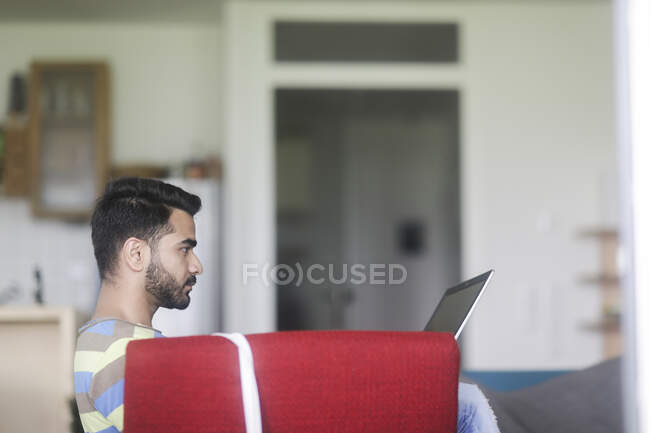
{"type": "Point", "coordinates": [185, 250]}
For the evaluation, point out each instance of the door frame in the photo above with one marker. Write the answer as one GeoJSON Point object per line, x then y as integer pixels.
{"type": "Point", "coordinates": [251, 77]}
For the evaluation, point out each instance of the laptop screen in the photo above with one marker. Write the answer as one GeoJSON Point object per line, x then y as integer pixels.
{"type": "Point", "coordinates": [456, 305]}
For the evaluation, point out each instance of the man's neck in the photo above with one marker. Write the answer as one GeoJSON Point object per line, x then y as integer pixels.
{"type": "Point", "coordinates": [123, 302]}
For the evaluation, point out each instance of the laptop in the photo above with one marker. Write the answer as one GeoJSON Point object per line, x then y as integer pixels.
{"type": "Point", "coordinates": [457, 304]}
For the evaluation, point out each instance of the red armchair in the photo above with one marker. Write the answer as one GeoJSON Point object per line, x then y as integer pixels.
{"type": "Point", "coordinates": [313, 381]}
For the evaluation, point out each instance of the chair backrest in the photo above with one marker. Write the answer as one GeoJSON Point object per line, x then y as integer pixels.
{"type": "Point", "coordinates": [312, 381]}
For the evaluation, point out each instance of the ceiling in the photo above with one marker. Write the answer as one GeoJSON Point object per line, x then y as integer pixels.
{"type": "Point", "coordinates": [170, 11]}
{"type": "Point", "coordinates": [164, 11]}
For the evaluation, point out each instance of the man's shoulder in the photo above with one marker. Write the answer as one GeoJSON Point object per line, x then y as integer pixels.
{"type": "Point", "coordinates": [114, 329]}
{"type": "Point", "coordinates": [101, 354]}
{"type": "Point", "coordinates": [103, 341]}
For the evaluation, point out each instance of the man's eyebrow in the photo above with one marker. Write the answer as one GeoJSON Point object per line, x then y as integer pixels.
{"type": "Point", "coordinates": [189, 241]}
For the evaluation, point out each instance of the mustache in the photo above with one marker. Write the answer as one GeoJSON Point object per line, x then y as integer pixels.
{"type": "Point", "coordinates": [191, 281]}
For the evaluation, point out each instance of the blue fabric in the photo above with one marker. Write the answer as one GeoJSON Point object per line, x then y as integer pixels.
{"type": "Point", "coordinates": [110, 399]}
{"type": "Point", "coordinates": [105, 327]}
{"type": "Point", "coordinates": [466, 414]}
{"type": "Point", "coordinates": [82, 381]}
{"type": "Point", "coordinates": [474, 412]}
{"type": "Point", "coordinates": [111, 429]}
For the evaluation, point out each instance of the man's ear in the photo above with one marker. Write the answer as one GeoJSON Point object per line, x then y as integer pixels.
{"type": "Point", "coordinates": [136, 254]}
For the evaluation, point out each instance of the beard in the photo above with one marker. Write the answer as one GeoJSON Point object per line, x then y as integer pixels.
{"type": "Point", "coordinates": [164, 287]}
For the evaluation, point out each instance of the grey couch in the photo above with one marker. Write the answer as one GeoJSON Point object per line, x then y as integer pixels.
{"type": "Point", "coordinates": [586, 401]}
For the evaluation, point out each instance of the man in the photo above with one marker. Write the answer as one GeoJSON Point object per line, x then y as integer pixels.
{"type": "Point", "coordinates": [143, 236]}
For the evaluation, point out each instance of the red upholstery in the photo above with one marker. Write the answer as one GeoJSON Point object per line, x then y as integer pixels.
{"type": "Point", "coordinates": [314, 382]}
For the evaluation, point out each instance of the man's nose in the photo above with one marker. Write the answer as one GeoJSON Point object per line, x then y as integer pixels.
{"type": "Point", "coordinates": [196, 267]}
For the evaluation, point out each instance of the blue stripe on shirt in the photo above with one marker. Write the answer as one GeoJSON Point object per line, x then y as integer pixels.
{"type": "Point", "coordinates": [110, 399]}
{"type": "Point", "coordinates": [111, 429]}
{"type": "Point", "coordinates": [106, 327]}
{"type": "Point", "coordinates": [82, 381]}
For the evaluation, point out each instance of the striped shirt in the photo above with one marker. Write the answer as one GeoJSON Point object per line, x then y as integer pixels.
{"type": "Point", "coordinates": [99, 371]}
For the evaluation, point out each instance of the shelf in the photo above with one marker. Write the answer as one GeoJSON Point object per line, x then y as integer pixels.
{"type": "Point", "coordinates": [599, 232]}
{"type": "Point", "coordinates": [609, 324]}
{"type": "Point", "coordinates": [612, 282]}
{"type": "Point", "coordinates": [608, 281]}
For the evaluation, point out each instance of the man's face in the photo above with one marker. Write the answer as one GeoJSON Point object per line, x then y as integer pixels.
{"type": "Point", "coordinates": [174, 266]}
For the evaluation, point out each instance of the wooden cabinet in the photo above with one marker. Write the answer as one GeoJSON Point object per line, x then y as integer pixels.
{"type": "Point", "coordinates": [68, 132]}
{"type": "Point", "coordinates": [16, 175]}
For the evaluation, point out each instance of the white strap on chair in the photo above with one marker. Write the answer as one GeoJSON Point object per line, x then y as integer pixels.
{"type": "Point", "coordinates": [249, 392]}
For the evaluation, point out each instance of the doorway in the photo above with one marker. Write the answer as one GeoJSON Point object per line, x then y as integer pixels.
{"type": "Point", "coordinates": [366, 180]}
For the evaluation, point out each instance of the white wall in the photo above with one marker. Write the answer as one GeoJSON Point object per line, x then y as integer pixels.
{"type": "Point", "coordinates": [164, 81]}
{"type": "Point", "coordinates": [539, 166]}
{"type": "Point", "coordinates": [538, 156]}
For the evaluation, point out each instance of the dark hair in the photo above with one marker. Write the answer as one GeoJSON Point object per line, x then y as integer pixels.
{"type": "Point", "coordinates": [134, 207]}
